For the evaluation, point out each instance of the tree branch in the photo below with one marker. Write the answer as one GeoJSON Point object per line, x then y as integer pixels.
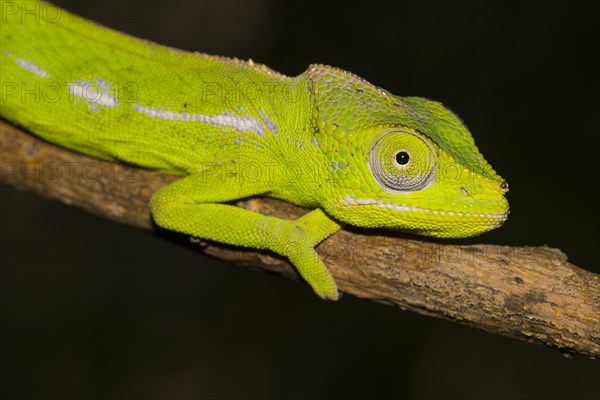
{"type": "Point", "coordinates": [527, 293]}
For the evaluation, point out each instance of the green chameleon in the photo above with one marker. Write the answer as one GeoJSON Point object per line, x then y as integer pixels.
{"type": "Point", "coordinates": [326, 140]}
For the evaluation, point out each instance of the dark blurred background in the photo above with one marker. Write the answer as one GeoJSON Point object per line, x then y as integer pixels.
{"type": "Point", "coordinates": [93, 309]}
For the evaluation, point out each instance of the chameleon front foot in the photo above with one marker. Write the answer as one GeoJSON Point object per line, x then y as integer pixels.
{"type": "Point", "coordinates": [192, 205]}
{"type": "Point", "coordinates": [298, 245]}
{"type": "Point", "coordinates": [309, 265]}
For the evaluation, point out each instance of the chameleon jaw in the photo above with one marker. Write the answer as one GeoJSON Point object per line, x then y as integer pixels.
{"type": "Point", "coordinates": [350, 201]}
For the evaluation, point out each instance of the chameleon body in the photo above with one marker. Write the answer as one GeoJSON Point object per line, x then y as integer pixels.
{"type": "Point", "coordinates": [326, 139]}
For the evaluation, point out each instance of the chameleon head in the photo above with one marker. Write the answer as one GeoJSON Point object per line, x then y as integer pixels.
{"type": "Point", "coordinates": [433, 183]}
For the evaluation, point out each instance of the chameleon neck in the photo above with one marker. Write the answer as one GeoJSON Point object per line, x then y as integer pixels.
{"type": "Point", "coordinates": [110, 85]}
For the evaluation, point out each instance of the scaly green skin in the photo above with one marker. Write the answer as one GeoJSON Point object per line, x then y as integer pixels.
{"type": "Point", "coordinates": [326, 140]}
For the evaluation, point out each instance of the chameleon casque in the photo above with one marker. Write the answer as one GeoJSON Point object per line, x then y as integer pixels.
{"type": "Point", "coordinates": [326, 139]}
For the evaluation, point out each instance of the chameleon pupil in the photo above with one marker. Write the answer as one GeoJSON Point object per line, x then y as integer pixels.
{"type": "Point", "coordinates": [402, 158]}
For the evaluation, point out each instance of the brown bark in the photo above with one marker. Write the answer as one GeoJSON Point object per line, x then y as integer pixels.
{"type": "Point", "coordinates": [527, 293]}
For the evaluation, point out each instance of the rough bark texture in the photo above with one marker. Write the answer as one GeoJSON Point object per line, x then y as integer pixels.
{"type": "Point", "coordinates": [527, 293]}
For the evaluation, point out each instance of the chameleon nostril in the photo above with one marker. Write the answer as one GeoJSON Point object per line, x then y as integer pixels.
{"type": "Point", "coordinates": [504, 185]}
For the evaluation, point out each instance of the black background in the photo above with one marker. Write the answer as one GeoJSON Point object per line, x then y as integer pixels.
{"type": "Point", "coordinates": [120, 313]}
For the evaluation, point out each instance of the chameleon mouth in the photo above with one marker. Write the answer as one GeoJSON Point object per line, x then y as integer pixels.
{"type": "Point", "coordinates": [349, 201]}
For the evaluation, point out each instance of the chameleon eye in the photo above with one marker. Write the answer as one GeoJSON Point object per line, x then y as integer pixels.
{"type": "Point", "coordinates": [402, 162]}
{"type": "Point", "coordinates": [402, 158]}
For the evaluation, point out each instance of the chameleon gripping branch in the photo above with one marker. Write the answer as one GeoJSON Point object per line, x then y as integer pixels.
{"type": "Point", "coordinates": [332, 142]}
{"type": "Point", "coordinates": [527, 293]}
